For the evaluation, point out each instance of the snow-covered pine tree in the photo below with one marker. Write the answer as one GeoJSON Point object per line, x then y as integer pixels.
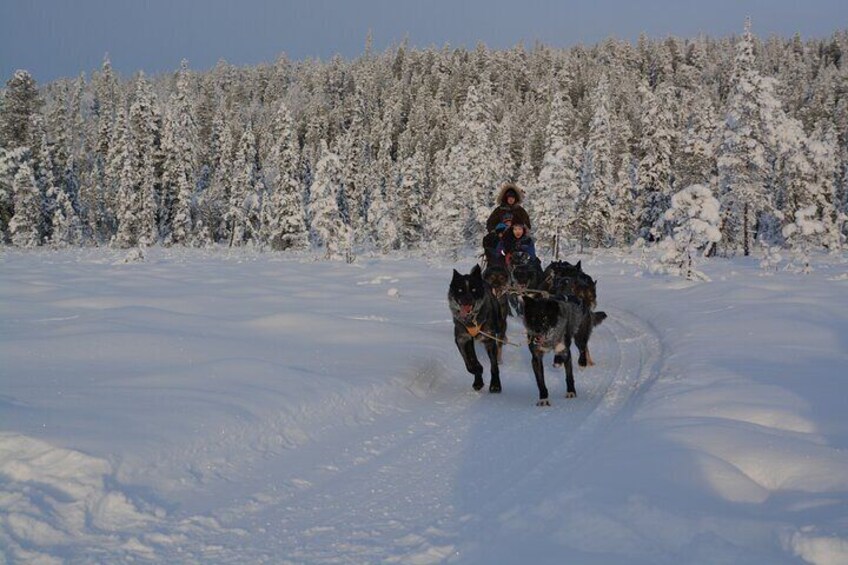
{"type": "Point", "coordinates": [66, 228]}
{"type": "Point", "coordinates": [27, 224]}
{"type": "Point", "coordinates": [122, 173]}
{"type": "Point", "coordinates": [244, 210]}
{"type": "Point", "coordinates": [472, 168]}
{"type": "Point", "coordinates": [383, 206]}
{"type": "Point", "coordinates": [116, 195]}
{"type": "Point", "coordinates": [623, 222]}
{"type": "Point", "coordinates": [592, 221]}
{"type": "Point", "coordinates": [744, 155]}
{"type": "Point", "coordinates": [329, 229]}
{"type": "Point", "coordinates": [696, 157]}
{"type": "Point", "coordinates": [143, 153]}
{"type": "Point", "coordinates": [284, 217]}
{"type": "Point", "coordinates": [19, 104]}
{"type": "Point", "coordinates": [822, 150]}
{"type": "Point", "coordinates": [654, 173]}
{"type": "Point", "coordinates": [213, 202]}
{"type": "Point", "coordinates": [9, 162]}
{"type": "Point", "coordinates": [553, 199]}
{"type": "Point", "coordinates": [181, 162]}
{"type": "Point", "coordinates": [694, 218]}
{"type": "Point", "coordinates": [805, 231]}
{"type": "Point", "coordinates": [411, 199]}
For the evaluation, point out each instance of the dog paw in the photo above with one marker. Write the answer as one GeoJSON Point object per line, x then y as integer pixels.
{"type": "Point", "coordinates": [571, 395]}
{"type": "Point", "coordinates": [478, 384]}
{"type": "Point", "coordinates": [544, 402]}
{"type": "Point", "coordinates": [558, 361]}
{"type": "Point", "coordinates": [494, 388]}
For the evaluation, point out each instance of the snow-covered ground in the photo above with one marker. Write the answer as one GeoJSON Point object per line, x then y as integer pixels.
{"type": "Point", "coordinates": [212, 407]}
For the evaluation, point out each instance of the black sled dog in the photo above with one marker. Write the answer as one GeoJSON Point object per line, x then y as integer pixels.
{"type": "Point", "coordinates": [563, 278]}
{"type": "Point", "coordinates": [526, 274]}
{"type": "Point", "coordinates": [476, 316]}
{"type": "Point", "coordinates": [552, 324]}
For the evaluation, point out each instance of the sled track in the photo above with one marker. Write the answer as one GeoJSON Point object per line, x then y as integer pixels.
{"type": "Point", "coordinates": [428, 473]}
{"type": "Point", "coordinates": [431, 467]}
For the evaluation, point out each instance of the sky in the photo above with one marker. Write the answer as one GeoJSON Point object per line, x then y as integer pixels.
{"type": "Point", "coordinates": [61, 38]}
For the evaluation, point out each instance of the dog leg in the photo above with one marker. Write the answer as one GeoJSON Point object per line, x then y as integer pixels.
{"type": "Point", "coordinates": [493, 349]}
{"type": "Point", "coordinates": [589, 360]}
{"type": "Point", "coordinates": [571, 392]}
{"type": "Point", "coordinates": [472, 365]}
{"type": "Point", "coordinates": [581, 339]}
{"type": "Point", "coordinates": [539, 372]}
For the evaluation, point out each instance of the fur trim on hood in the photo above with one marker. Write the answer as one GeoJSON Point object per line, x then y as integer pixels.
{"type": "Point", "coordinates": [519, 194]}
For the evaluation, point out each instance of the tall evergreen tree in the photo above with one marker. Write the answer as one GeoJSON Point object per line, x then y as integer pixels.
{"type": "Point", "coordinates": [243, 213]}
{"type": "Point", "coordinates": [284, 217]}
{"type": "Point", "coordinates": [654, 175]}
{"type": "Point", "coordinates": [20, 103]}
{"type": "Point", "coordinates": [744, 155]}
{"type": "Point", "coordinates": [592, 222]}
{"type": "Point", "coordinates": [181, 162]}
{"type": "Point", "coordinates": [557, 190]}
{"type": "Point", "coordinates": [328, 227]}
{"type": "Point", "coordinates": [27, 224]}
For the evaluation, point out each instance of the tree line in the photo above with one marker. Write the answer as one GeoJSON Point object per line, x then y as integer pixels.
{"type": "Point", "coordinates": [406, 148]}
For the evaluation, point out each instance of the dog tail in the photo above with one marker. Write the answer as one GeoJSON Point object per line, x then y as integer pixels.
{"type": "Point", "coordinates": [598, 317]}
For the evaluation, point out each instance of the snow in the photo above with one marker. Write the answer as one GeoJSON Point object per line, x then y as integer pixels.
{"type": "Point", "coordinates": [212, 406]}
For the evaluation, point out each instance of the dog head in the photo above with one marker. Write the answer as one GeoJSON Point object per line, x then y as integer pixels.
{"type": "Point", "coordinates": [585, 288]}
{"type": "Point", "coordinates": [497, 278]}
{"type": "Point", "coordinates": [524, 270]}
{"type": "Point", "coordinates": [543, 321]}
{"type": "Point", "coordinates": [561, 277]}
{"type": "Point", "coordinates": [466, 294]}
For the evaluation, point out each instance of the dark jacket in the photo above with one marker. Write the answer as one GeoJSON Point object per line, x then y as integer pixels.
{"type": "Point", "coordinates": [519, 214]}
{"type": "Point", "coordinates": [509, 245]}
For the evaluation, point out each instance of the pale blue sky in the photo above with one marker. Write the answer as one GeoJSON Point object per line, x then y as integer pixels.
{"type": "Point", "coordinates": [60, 38]}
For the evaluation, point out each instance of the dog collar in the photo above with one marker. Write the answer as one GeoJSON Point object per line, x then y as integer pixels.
{"type": "Point", "coordinates": [473, 330]}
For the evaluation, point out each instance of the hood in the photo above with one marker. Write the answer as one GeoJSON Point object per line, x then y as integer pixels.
{"type": "Point", "coordinates": [520, 194]}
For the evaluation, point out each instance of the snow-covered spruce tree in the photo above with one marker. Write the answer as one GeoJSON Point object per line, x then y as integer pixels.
{"type": "Point", "coordinates": [411, 199]}
{"type": "Point", "coordinates": [66, 228]}
{"type": "Point", "coordinates": [180, 150]}
{"type": "Point", "coordinates": [329, 230]}
{"type": "Point", "coordinates": [123, 175]}
{"type": "Point", "coordinates": [694, 219]}
{"type": "Point", "coordinates": [283, 214]}
{"type": "Point", "coordinates": [213, 202]}
{"type": "Point", "coordinates": [623, 221]}
{"type": "Point", "coordinates": [471, 173]}
{"type": "Point", "coordinates": [654, 173]}
{"type": "Point", "coordinates": [805, 232]}
{"type": "Point", "coordinates": [140, 169]}
{"type": "Point", "coordinates": [9, 163]}
{"type": "Point", "coordinates": [27, 223]}
{"type": "Point", "coordinates": [592, 221]}
{"type": "Point", "coordinates": [698, 142]}
{"type": "Point", "coordinates": [822, 150]}
{"type": "Point", "coordinates": [382, 206]}
{"type": "Point", "coordinates": [744, 159]}
{"type": "Point", "coordinates": [553, 198]}
{"type": "Point", "coordinates": [20, 103]}
{"type": "Point", "coordinates": [244, 210]}
{"type": "Point", "coordinates": [116, 196]}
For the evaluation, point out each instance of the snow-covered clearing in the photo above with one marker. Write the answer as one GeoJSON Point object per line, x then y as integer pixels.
{"type": "Point", "coordinates": [212, 407]}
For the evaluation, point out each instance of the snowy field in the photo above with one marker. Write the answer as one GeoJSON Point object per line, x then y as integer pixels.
{"type": "Point", "coordinates": [244, 408]}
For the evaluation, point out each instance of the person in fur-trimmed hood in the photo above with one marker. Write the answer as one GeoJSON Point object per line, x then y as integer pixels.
{"type": "Point", "coordinates": [509, 202]}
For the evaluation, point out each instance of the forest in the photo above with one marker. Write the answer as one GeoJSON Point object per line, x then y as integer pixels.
{"type": "Point", "coordinates": [707, 145]}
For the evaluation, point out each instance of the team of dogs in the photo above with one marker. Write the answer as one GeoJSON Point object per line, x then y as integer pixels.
{"type": "Point", "coordinates": [557, 306]}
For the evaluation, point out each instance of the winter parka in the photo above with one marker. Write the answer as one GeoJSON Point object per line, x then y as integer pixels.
{"type": "Point", "coordinates": [519, 214]}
